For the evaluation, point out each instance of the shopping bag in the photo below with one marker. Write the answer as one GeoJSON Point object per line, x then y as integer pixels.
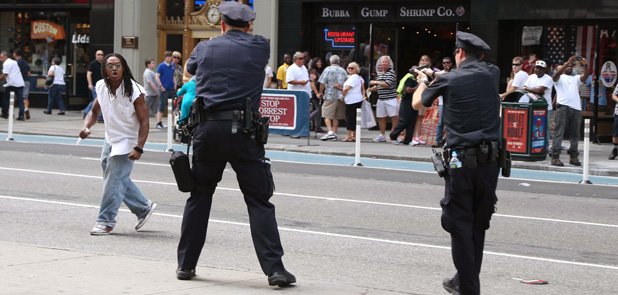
{"type": "Point", "coordinates": [368, 120]}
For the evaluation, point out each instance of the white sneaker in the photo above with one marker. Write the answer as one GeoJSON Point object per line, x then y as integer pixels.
{"type": "Point", "coordinates": [419, 140]}
{"type": "Point", "coordinates": [142, 221]}
{"type": "Point", "coordinates": [379, 138]}
{"type": "Point", "coordinates": [101, 230]}
{"type": "Point", "coordinates": [414, 142]}
{"type": "Point", "coordinates": [329, 136]}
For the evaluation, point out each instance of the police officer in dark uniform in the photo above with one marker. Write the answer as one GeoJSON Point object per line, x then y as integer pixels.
{"type": "Point", "coordinates": [230, 71]}
{"type": "Point", "coordinates": [471, 116]}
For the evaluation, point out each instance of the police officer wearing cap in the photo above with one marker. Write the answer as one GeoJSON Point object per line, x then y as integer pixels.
{"type": "Point", "coordinates": [471, 116]}
{"type": "Point", "coordinates": [229, 71]}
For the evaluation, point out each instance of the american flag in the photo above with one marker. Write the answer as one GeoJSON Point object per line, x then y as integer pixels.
{"type": "Point", "coordinates": [555, 41]}
{"type": "Point", "coordinates": [562, 42]}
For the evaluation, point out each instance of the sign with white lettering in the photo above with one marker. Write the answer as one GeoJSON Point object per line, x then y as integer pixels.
{"type": "Point", "coordinates": [340, 37]}
{"type": "Point", "coordinates": [336, 12]}
{"type": "Point", "coordinates": [80, 39]}
{"type": "Point", "coordinates": [281, 109]}
{"type": "Point", "coordinates": [398, 13]}
{"type": "Point", "coordinates": [42, 29]}
{"type": "Point", "coordinates": [375, 12]}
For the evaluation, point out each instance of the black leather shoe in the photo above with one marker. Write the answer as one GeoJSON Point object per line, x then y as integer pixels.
{"type": "Point", "coordinates": [281, 279]}
{"type": "Point", "coordinates": [450, 286]}
{"type": "Point", "coordinates": [185, 275]}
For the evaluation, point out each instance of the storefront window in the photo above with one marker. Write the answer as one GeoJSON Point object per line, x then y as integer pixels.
{"type": "Point", "coordinates": [42, 37]}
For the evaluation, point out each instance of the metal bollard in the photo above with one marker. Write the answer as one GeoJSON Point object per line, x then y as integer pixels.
{"type": "Point", "coordinates": [357, 141]}
{"type": "Point", "coordinates": [9, 137]}
{"type": "Point", "coordinates": [170, 114]}
{"type": "Point", "coordinates": [585, 179]}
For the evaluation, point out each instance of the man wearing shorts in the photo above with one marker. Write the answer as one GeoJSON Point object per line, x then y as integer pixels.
{"type": "Point", "coordinates": [331, 85]}
{"type": "Point", "coordinates": [387, 106]}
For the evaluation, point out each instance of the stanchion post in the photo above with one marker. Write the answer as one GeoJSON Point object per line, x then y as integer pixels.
{"type": "Point", "coordinates": [357, 140]}
{"type": "Point", "coordinates": [170, 104]}
{"type": "Point", "coordinates": [11, 106]}
{"type": "Point", "coordinates": [585, 178]}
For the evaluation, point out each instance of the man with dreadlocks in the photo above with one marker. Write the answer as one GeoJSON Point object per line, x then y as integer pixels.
{"type": "Point", "coordinates": [126, 129]}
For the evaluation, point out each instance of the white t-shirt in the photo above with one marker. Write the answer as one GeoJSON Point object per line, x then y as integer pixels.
{"type": "Point", "coordinates": [121, 124]}
{"type": "Point", "coordinates": [519, 79]}
{"type": "Point", "coordinates": [269, 74]}
{"type": "Point", "coordinates": [355, 93]}
{"type": "Point", "coordinates": [295, 72]}
{"type": "Point", "coordinates": [150, 76]}
{"type": "Point", "coordinates": [534, 81]}
{"type": "Point", "coordinates": [567, 91]}
{"type": "Point", "coordinates": [58, 73]}
{"type": "Point", "coordinates": [13, 77]}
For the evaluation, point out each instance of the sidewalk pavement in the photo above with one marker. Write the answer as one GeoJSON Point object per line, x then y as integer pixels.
{"type": "Point", "coordinates": [34, 269]}
{"type": "Point", "coordinates": [70, 125]}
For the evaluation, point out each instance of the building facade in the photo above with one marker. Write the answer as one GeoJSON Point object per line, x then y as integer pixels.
{"type": "Point", "coordinates": [363, 30]}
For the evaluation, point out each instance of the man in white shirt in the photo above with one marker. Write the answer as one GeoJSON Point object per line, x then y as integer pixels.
{"type": "Point", "coordinates": [14, 83]}
{"type": "Point", "coordinates": [568, 109]}
{"type": "Point", "coordinates": [297, 75]}
{"type": "Point", "coordinates": [519, 78]}
{"type": "Point", "coordinates": [540, 84]}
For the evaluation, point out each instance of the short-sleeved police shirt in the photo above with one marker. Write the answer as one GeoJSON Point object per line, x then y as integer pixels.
{"type": "Point", "coordinates": [471, 103]}
{"type": "Point", "coordinates": [229, 69]}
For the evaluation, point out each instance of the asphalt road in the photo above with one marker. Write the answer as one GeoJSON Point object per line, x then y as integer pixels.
{"type": "Point", "coordinates": [374, 228]}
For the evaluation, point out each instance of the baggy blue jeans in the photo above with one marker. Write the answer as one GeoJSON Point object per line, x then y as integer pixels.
{"type": "Point", "coordinates": [118, 187]}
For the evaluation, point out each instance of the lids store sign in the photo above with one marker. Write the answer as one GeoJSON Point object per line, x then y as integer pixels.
{"type": "Point", "coordinates": [452, 12]}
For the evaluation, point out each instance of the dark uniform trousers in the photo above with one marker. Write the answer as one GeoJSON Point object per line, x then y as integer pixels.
{"type": "Point", "coordinates": [407, 120]}
{"type": "Point", "coordinates": [470, 196]}
{"type": "Point", "coordinates": [214, 146]}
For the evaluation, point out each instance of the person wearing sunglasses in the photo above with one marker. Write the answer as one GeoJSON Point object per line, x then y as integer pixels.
{"type": "Point", "coordinates": [178, 72]}
{"type": "Point", "coordinates": [518, 77]}
{"type": "Point", "coordinates": [121, 101]}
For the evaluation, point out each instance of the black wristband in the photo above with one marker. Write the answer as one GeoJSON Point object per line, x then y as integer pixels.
{"type": "Point", "coordinates": [138, 149]}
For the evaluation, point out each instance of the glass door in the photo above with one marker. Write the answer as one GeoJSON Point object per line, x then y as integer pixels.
{"type": "Point", "coordinates": [78, 66]}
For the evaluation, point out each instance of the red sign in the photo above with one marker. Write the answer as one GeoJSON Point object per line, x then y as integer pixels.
{"type": "Point", "coordinates": [516, 130]}
{"type": "Point", "coordinates": [281, 109]}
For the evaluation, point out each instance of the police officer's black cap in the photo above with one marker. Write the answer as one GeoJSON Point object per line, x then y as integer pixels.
{"type": "Point", "coordinates": [236, 14]}
{"type": "Point", "coordinates": [471, 42]}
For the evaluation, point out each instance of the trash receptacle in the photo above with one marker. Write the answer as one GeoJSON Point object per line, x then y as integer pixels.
{"type": "Point", "coordinates": [524, 126]}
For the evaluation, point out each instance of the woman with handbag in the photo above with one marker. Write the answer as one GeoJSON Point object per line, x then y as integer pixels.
{"type": "Point", "coordinates": [56, 72]}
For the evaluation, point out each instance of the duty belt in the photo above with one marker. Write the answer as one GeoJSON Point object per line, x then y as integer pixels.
{"type": "Point", "coordinates": [223, 116]}
{"type": "Point", "coordinates": [472, 156]}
